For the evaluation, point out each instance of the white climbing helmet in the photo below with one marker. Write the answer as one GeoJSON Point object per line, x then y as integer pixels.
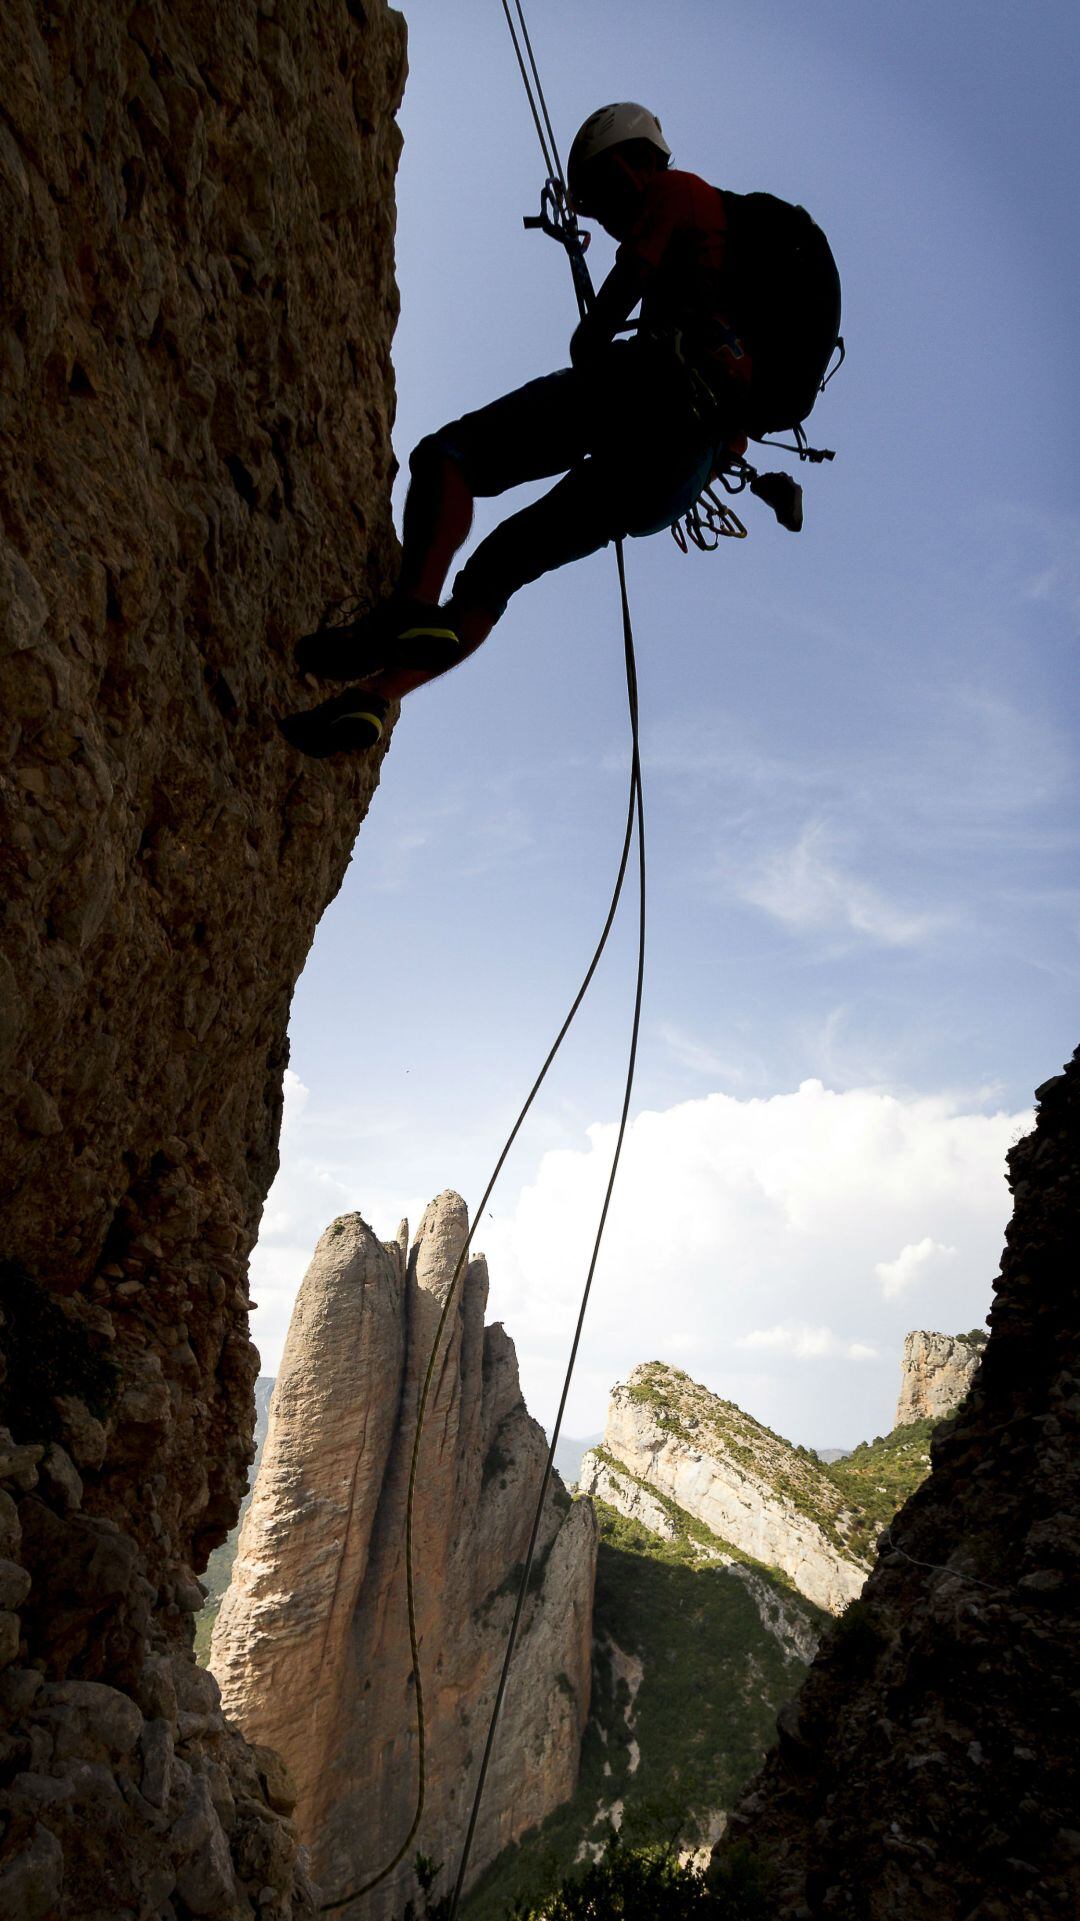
{"type": "Point", "coordinates": [609, 127]}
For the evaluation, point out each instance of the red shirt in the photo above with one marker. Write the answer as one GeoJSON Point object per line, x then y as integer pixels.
{"type": "Point", "coordinates": [678, 247]}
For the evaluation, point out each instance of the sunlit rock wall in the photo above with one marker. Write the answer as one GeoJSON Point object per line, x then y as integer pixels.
{"type": "Point", "coordinates": [936, 1373]}
{"type": "Point", "coordinates": [749, 1487]}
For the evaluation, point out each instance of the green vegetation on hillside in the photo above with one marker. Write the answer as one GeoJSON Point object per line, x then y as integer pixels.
{"type": "Point", "coordinates": [877, 1477]}
{"type": "Point", "coordinates": [684, 1746]}
{"type": "Point", "coordinates": [712, 1680]}
{"type": "Point", "coordinates": [215, 1581]}
{"type": "Point", "coordinates": [638, 1884]}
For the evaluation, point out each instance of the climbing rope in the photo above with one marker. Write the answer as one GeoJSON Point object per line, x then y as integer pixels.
{"type": "Point", "coordinates": [636, 817]}
{"type": "Point", "coordinates": [551, 155]}
{"type": "Point", "coordinates": [632, 817]}
{"type": "Point", "coordinates": [889, 1539]}
{"type": "Point", "coordinates": [563, 227]}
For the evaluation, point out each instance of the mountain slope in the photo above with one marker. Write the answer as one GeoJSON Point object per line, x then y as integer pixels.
{"type": "Point", "coordinates": [698, 1646]}
{"type": "Point", "coordinates": [745, 1484]}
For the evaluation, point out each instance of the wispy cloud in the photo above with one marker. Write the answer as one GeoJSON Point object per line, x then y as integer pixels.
{"type": "Point", "coordinates": [807, 888]}
{"type": "Point", "coordinates": [686, 1050]}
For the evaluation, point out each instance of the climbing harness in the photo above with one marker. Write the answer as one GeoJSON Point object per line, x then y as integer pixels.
{"type": "Point", "coordinates": [558, 221]}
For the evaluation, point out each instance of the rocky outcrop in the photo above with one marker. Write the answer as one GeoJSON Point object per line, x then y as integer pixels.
{"type": "Point", "coordinates": [603, 1480]}
{"type": "Point", "coordinates": [311, 1645]}
{"type": "Point", "coordinates": [196, 307]}
{"type": "Point", "coordinates": [218, 1571]}
{"type": "Point", "coordinates": [936, 1373]}
{"type": "Point", "coordinates": [741, 1481]}
{"type": "Point", "coordinates": [779, 1613]}
{"type": "Point", "coordinates": [928, 1770]}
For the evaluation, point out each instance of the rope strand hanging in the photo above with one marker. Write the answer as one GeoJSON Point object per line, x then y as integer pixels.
{"type": "Point", "coordinates": [635, 821]}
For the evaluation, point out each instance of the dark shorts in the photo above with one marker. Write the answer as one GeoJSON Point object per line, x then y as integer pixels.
{"type": "Point", "coordinates": [625, 432]}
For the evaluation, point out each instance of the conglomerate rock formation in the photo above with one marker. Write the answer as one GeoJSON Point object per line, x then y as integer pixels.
{"type": "Point", "coordinates": [311, 1645]}
{"type": "Point", "coordinates": [929, 1770]}
{"type": "Point", "coordinates": [936, 1372]}
{"type": "Point", "coordinates": [196, 308]}
{"type": "Point", "coordinates": [666, 1435]}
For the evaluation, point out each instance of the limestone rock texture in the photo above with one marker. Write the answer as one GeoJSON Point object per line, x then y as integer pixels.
{"type": "Point", "coordinates": [602, 1480]}
{"type": "Point", "coordinates": [196, 309]}
{"type": "Point", "coordinates": [747, 1486]}
{"type": "Point", "coordinates": [936, 1373]}
{"type": "Point", "coordinates": [311, 1644]}
{"type": "Point", "coordinates": [929, 1769]}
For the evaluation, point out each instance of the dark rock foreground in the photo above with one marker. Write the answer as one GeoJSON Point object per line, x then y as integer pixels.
{"type": "Point", "coordinates": [929, 1770]}
{"type": "Point", "coordinates": [196, 309]}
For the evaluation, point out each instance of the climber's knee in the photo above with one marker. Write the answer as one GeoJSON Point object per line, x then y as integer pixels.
{"type": "Point", "coordinates": [427, 457]}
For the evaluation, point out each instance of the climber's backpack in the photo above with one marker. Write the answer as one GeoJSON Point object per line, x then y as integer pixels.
{"type": "Point", "coordinates": [786, 304]}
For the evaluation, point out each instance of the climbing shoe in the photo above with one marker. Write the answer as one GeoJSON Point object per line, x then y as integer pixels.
{"type": "Point", "coordinates": [345, 724]}
{"type": "Point", "coordinates": [402, 632]}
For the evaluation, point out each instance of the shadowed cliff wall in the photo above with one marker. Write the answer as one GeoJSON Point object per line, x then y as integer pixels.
{"type": "Point", "coordinates": [196, 278]}
{"type": "Point", "coordinates": [928, 1770]}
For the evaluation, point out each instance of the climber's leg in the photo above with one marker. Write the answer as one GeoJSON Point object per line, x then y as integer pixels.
{"type": "Point", "coordinates": [438, 515]}
{"type": "Point", "coordinates": [530, 434]}
{"type": "Point", "coordinates": [649, 462]}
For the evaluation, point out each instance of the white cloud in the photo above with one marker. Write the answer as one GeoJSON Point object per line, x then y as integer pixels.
{"type": "Point", "coordinates": [745, 1239]}
{"type": "Point", "coordinates": [910, 1265]}
{"type": "Point", "coordinates": [750, 1241]}
{"type": "Point", "coordinates": [806, 887]}
{"type": "Point", "coordinates": [806, 1343]}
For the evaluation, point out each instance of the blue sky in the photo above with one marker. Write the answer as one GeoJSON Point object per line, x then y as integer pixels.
{"type": "Point", "coordinates": [859, 744]}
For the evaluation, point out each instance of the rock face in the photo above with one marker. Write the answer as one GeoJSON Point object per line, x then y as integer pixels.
{"type": "Point", "coordinates": [936, 1373]}
{"type": "Point", "coordinates": [196, 307]}
{"type": "Point", "coordinates": [929, 1771]}
{"type": "Point", "coordinates": [218, 1572]}
{"type": "Point", "coordinates": [745, 1484]}
{"type": "Point", "coordinates": [311, 1645]}
{"type": "Point", "coordinates": [604, 1480]}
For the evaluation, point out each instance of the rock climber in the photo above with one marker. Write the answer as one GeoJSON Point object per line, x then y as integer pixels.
{"type": "Point", "coordinates": [636, 428]}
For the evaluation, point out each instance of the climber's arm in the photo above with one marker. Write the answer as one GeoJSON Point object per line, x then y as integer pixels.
{"type": "Point", "coordinates": [614, 302]}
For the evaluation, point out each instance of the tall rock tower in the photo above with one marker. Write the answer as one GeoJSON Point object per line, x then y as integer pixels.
{"type": "Point", "coordinates": [311, 1645]}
